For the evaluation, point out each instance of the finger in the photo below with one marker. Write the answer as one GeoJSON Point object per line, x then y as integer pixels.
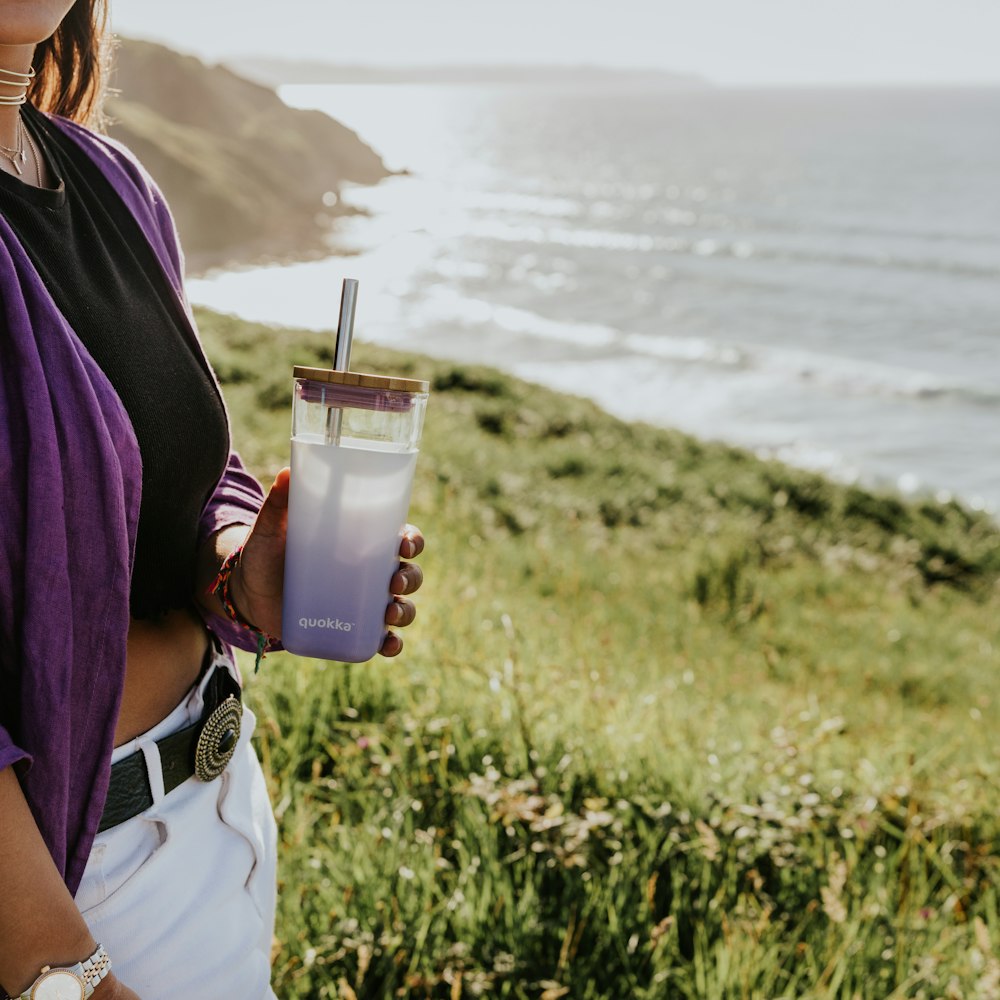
{"type": "Point", "coordinates": [392, 646]}
{"type": "Point", "coordinates": [400, 613]}
{"type": "Point", "coordinates": [412, 542]}
{"type": "Point", "coordinates": [406, 579]}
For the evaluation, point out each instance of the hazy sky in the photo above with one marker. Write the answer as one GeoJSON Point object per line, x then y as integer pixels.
{"type": "Point", "coordinates": [729, 41]}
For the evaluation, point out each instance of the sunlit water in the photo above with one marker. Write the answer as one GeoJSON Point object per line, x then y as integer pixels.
{"type": "Point", "coordinates": [815, 274]}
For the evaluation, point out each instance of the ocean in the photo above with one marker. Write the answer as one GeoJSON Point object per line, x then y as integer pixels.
{"type": "Point", "coordinates": [812, 274]}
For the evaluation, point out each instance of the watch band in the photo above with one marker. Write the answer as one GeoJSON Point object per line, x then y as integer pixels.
{"type": "Point", "coordinates": [88, 975]}
{"type": "Point", "coordinates": [95, 968]}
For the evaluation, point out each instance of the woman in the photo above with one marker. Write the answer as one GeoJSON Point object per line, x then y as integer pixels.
{"type": "Point", "coordinates": [130, 562]}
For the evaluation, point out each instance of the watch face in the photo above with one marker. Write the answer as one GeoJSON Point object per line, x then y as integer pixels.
{"type": "Point", "coordinates": [59, 984]}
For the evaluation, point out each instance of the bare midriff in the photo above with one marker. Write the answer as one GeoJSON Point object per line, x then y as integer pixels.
{"type": "Point", "coordinates": [164, 659]}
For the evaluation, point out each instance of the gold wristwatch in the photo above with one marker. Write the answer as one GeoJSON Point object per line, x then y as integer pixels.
{"type": "Point", "coordinates": [74, 983]}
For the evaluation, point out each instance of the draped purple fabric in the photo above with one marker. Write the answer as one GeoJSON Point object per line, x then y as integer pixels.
{"type": "Point", "coordinates": [70, 486]}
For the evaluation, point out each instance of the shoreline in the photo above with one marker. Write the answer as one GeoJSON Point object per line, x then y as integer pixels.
{"type": "Point", "coordinates": [548, 364]}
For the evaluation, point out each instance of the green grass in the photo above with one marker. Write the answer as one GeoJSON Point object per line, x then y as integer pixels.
{"type": "Point", "coordinates": [672, 721]}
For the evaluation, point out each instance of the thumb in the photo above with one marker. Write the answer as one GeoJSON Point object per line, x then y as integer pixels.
{"type": "Point", "coordinates": [271, 516]}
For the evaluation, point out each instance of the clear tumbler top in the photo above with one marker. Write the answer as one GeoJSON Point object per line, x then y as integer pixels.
{"type": "Point", "coordinates": [353, 409]}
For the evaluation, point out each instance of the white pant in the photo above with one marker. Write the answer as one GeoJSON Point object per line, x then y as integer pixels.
{"type": "Point", "coordinates": [183, 895]}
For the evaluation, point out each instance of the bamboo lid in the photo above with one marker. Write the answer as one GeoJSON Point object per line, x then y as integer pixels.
{"type": "Point", "coordinates": [365, 381]}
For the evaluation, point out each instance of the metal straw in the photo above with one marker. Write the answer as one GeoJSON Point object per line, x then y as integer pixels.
{"type": "Point", "coordinates": [345, 327]}
{"type": "Point", "coordinates": [342, 351]}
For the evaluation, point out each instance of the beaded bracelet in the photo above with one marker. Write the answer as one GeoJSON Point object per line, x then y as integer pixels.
{"type": "Point", "coordinates": [221, 589]}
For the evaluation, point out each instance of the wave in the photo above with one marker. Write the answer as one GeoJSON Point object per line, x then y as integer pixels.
{"type": "Point", "coordinates": [442, 305]}
{"type": "Point", "coordinates": [835, 375]}
{"type": "Point", "coordinates": [714, 246]}
{"type": "Point", "coordinates": [532, 204]}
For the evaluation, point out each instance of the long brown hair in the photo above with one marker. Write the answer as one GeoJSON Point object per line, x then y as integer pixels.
{"type": "Point", "coordinates": [70, 66]}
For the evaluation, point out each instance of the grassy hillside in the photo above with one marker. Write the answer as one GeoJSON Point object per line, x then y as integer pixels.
{"type": "Point", "coordinates": [672, 721]}
{"type": "Point", "coordinates": [243, 173]}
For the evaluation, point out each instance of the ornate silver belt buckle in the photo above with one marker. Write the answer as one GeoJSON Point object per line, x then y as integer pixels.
{"type": "Point", "coordinates": [217, 740]}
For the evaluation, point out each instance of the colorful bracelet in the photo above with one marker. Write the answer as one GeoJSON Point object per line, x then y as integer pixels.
{"type": "Point", "coordinates": [221, 589]}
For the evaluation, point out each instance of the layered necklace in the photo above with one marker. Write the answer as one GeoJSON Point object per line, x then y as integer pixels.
{"type": "Point", "coordinates": [17, 155]}
{"type": "Point", "coordinates": [18, 81]}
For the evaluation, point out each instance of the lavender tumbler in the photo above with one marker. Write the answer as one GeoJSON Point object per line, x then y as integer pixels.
{"type": "Point", "coordinates": [354, 449]}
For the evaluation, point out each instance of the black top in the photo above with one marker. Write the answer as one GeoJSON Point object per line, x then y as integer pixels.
{"type": "Point", "coordinates": [103, 275]}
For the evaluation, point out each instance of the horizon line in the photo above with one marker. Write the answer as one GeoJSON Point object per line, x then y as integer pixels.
{"type": "Point", "coordinates": [693, 76]}
{"type": "Point", "coordinates": [698, 79]}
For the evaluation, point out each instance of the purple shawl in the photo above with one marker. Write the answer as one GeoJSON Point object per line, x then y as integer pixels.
{"type": "Point", "coordinates": [70, 485]}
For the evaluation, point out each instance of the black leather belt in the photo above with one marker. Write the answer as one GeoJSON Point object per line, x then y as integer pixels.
{"type": "Point", "coordinates": [202, 750]}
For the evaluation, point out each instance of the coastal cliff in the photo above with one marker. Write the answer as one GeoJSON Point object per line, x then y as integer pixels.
{"type": "Point", "coordinates": [248, 178]}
